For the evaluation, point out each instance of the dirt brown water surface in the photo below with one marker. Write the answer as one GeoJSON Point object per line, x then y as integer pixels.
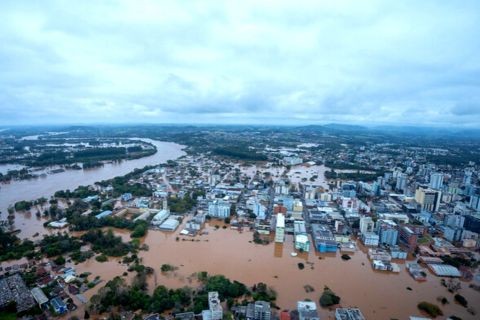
{"type": "Point", "coordinates": [223, 251]}
{"type": "Point", "coordinates": [71, 179]}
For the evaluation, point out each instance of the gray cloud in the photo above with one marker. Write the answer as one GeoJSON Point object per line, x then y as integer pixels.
{"type": "Point", "coordinates": [223, 62]}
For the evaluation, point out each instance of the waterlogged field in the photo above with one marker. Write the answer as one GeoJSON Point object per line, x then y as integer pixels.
{"type": "Point", "coordinates": [379, 295]}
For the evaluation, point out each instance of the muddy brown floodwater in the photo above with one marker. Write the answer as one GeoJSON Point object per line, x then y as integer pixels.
{"type": "Point", "coordinates": [379, 295]}
{"type": "Point", "coordinates": [45, 187]}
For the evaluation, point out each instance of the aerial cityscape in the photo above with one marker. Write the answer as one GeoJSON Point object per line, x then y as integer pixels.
{"type": "Point", "coordinates": [250, 160]}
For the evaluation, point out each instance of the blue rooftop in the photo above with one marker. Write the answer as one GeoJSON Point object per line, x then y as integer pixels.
{"type": "Point", "coordinates": [103, 214]}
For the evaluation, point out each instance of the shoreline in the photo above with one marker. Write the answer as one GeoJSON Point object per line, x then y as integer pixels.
{"type": "Point", "coordinates": [29, 190]}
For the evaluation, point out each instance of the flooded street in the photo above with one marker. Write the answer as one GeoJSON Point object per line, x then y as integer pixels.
{"type": "Point", "coordinates": [314, 175]}
{"type": "Point", "coordinates": [71, 179]}
{"type": "Point", "coordinates": [306, 174]}
{"type": "Point", "coordinates": [379, 295]}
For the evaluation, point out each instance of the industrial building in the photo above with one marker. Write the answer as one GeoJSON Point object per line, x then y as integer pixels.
{"type": "Point", "coordinates": [160, 217]}
{"type": "Point", "coordinates": [444, 270]}
{"type": "Point", "coordinates": [323, 238]}
{"type": "Point", "coordinates": [348, 314]}
{"type": "Point", "coordinates": [104, 214]}
{"type": "Point", "coordinates": [171, 224]}
{"type": "Point", "coordinates": [39, 297]}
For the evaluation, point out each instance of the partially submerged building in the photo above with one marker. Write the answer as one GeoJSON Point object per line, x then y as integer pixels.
{"type": "Point", "coordinates": [323, 238]}
{"type": "Point", "coordinates": [215, 310]}
{"type": "Point", "coordinates": [307, 310]}
{"type": "Point", "coordinates": [280, 228]}
{"type": "Point", "coordinates": [348, 314]}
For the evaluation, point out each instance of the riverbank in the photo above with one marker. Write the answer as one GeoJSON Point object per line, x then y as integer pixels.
{"type": "Point", "coordinates": [71, 179]}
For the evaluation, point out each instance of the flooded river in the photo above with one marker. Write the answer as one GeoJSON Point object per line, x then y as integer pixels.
{"type": "Point", "coordinates": [379, 295]}
{"type": "Point", "coordinates": [71, 179]}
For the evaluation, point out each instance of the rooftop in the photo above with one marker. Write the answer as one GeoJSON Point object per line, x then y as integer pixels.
{"type": "Point", "coordinates": [444, 270]}
{"type": "Point", "coordinates": [348, 314]}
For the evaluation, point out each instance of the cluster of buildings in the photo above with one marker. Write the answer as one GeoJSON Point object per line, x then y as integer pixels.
{"type": "Point", "coordinates": [412, 206]}
{"type": "Point", "coordinates": [14, 290]}
{"type": "Point", "coordinates": [306, 310]}
{"type": "Point", "coordinates": [55, 289]}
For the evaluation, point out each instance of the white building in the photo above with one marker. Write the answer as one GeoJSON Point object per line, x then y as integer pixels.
{"type": "Point", "coordinates": [219, 209]}
{"type": "Point", "coordinates": [297, 205]}
{"type": "Point", "coordinates": [366, 225]}
{"type": "Point", "coordinates": [280, 228]}
{"type": "Point", "coordinates": [400, 217]}
{"type": "Point", "coordinates": [171, 224]}
{"type": "Point", "coordinates": [401, 182]}
{"type": "Point", "coordinates": [214, 306]}
{"type": "Point", "coordinates": [370, 239]}
{"type": "Point", "coordinates": [310, 193]}
{"type": "Point", "coordinates": [292, 161]}
{"type": "Point", "coordinates": [160, 217]}
{"type": "Point", "coordinates": [281, 188]}
{"type": "Point", "coordinates": [302, 243]}
{"type": "Point", "coordinates": [436, 181]}
{"type": "Point", "coordinates": [327, 197]}
{"type": "Point", "coordinates": [307, 310]}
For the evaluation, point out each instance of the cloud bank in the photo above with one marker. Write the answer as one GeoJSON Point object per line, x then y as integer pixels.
{"type": "Point", "coordinates": [278, 62]}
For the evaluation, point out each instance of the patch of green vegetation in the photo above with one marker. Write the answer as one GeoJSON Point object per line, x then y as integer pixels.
{"type": "Point", "coordinates": [425, 239]}
{"type": "Point", "coordinates": [12, 248]}
{"type": "Point", "coordinates": [8, 315]}
{"type": "Point", "coordinates": [107, 243]}
{"type": "Point", "coordinates": [140, 230]}
{"type": "Point", "coordinates": [225, 287]}
{"type": "Point", "coordinates": [54, 245]}
{"type": "Point", "coordinates": [257, 238]}
{"type": "Point", "coordinates": [60, 260]}
{"type": "Point", "coordinates": [81, 256]}
{"type": "Point", "coordinates": [239, 152]}
{"type": "Point", "coordinates": [133, 297]}
{"type": "Point", "coordinates": [431, 309]}
{"type": "Point", "coordinates": [328, 298]}
{"type": "Point", "coordinates": [23, 205]}
{"type": "Point", "coordinates": [308, 288]}
{"type": "Point", "coordinates": [459, 261]}
{"type": "Point", "coordinates": [101, 258]}
{"type": "Point", "coordinates": [167, 267]}
{"type": "Point", "coordinates": [181, 205]}
{"type": "Point", "coordinates": [261, 292]}
{"type": "Point", "coordinates": [80, 192]}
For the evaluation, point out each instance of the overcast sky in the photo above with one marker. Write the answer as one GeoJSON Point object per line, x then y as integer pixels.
{"type": "Point", "coordinates": [279, 62]}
